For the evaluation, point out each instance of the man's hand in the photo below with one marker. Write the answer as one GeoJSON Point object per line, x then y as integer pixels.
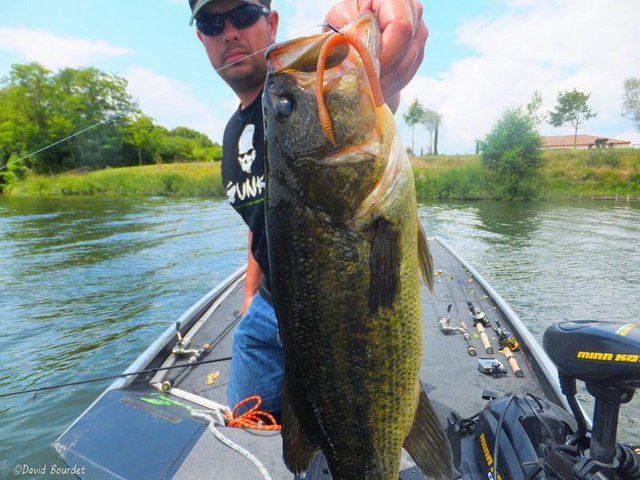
{"type": "Point", "coordinates": [404, 35]}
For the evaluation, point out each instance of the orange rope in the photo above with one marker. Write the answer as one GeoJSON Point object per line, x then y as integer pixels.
{"type": "Point", "coordinates": [253, 418]}
{"type": "Point", "coordinates": [370, 69]}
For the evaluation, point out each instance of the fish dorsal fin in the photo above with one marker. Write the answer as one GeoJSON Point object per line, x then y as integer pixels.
{"type": "Point", "coordinates": [297, 452]}
{"type": "Point", "coordinates": [427, 444]}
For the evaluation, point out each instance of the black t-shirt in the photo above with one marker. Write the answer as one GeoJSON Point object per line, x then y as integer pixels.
{"type": "Point", "coordinates": [243, 174]}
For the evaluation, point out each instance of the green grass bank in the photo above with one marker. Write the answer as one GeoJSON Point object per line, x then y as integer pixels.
{"type": "Point", "coordinates": [601, 174]}
{"type": "Point", "coordinates": [171, 179]}
{"type": "Point", "coordinates": [595, 174]}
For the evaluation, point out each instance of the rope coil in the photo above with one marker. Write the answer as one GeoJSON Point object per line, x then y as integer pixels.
{"type": "Point", "coordinates": [253, 418]}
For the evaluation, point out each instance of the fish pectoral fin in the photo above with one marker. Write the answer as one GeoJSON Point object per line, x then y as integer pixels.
{"type": "Point", "coordinates": [424, 258]}
{"type": "Point", "coordinates": [427, 443]}
{"type": "Point", "coordinates": [384, 265]}
{"type": "Point", "coordinates": [297, 452]}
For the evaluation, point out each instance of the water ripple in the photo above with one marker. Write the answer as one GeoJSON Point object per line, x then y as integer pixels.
{"type": "Point", "coordinates": [90, 282]}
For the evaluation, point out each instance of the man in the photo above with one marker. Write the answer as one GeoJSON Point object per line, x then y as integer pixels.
{"type": "Point", "coordinates": [235, 34]}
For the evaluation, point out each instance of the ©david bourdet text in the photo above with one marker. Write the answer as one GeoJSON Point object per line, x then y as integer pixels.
{"type": "Point", "coordinates": [25, 469]}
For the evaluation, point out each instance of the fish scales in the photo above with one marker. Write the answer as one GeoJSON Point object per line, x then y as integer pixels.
{"type": "Point", "coordinates": [343, 239]}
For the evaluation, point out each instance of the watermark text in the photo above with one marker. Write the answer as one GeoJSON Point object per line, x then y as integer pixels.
{"type": "Point", "coordinates": [49, 470]}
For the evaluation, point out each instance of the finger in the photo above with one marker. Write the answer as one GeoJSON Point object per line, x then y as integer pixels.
{"type": "Point", "coordinates": [399, 24]}
{"type": "Point", "coordinates": [397, 75]}
{"type": "Point", "coordinates": [341, 14]}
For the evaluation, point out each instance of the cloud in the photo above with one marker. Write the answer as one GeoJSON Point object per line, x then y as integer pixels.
{"type": "Point", "coordinates": [172, 102]}
{"type": "Point", "coordinates": [302, 18]}
{"type": "Point", "coordinates": [54, 51]}
{"type": "Point", "coordinates": [547, 45]}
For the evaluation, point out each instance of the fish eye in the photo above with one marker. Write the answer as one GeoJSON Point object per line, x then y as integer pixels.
{"type": "Point", "coordinates": [283, 108]}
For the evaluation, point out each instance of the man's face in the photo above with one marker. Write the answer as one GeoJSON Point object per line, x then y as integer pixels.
{"type": "Point", "coordinates": [232, 52]}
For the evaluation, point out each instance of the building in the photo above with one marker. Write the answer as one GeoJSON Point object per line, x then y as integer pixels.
{"type": "Point", "coordinates": [583, 142]}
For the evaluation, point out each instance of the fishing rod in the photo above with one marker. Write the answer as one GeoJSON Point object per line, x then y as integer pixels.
{"type": "Point", "coordinates": [471, 350]}
{"type": "Point", "coordinates": [111, 377]}
{"type": "Point", "coordinates": [182, 348]}
{"type": "Point", "coordinates": [445, 327]}
{"type": "Point", "coordinates": [506, 340]}
{"type": "Point", "coordinates": [504, 336]}
{"type": "Point", "coordinates": [479, 320]}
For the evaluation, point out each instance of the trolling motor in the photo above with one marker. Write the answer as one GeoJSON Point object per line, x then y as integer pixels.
{"type": "Point", "coordinates": [606, 357]}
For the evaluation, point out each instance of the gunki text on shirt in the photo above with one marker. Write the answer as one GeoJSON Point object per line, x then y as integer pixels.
{"type": "Point", "coordinates": [251, 188]}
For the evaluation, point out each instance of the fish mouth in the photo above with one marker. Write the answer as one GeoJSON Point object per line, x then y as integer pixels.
{"type": "Point", "coordinates": [320, 53]}
{"type": "Point", "coordinates": [351, 36]}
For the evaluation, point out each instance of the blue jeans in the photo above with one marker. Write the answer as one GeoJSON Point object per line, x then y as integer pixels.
{"type": "Point", "coordinates": [256, 359]}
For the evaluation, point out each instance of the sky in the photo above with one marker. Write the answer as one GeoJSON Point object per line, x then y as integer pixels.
{"type": "Point", "coordinates": [482, 57]}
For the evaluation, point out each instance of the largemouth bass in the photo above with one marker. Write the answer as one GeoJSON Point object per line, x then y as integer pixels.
{"type": "Point", "coordinates": [346, 250]}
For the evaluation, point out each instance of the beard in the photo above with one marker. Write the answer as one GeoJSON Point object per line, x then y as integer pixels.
{"type": "Point", "coordinates": [246, 75]}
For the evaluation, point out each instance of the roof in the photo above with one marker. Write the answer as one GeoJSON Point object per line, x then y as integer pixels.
{"type": "Point", "coordinates": [567, 140]}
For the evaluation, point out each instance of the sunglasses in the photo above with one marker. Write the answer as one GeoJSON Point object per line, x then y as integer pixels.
{"type": "Point", "coordinates": [240, 17]}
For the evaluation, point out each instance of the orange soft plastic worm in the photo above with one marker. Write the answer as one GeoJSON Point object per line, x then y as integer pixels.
{"type": "Point", "coordinates": [370, 69]}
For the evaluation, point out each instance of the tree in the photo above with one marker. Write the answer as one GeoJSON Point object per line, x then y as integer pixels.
{"type": "Point", "coordinates": [90, 97]}
{"type": "Point", "coordinates": [29, 119]}
{"type": "Point", "coordinates": [430, 119]}
{"type": "Point", "coordinates": [513, 150]}
{"type": "Point", "coordinates": [631, 101]}
{"type": "Point", "coordinates": [435, 140]}
{"type": "Point", "coordinates": [533, 109]}
{"type": "Point", "coordinates": [92, 111]}
{"type": "Point", "coordinates": [414, 115]}
{"type": "Point", "coordinates": [572, 108]}
{"type": "Point", "coordinates": [144, 136]}
{"type": "Point", "coordinates": [185, 132]}
{"type": "Point", "coordinates": [40, 108]}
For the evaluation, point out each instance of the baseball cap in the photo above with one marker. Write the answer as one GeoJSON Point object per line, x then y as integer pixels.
{"type": "Point", "coordinates": [197, 5]}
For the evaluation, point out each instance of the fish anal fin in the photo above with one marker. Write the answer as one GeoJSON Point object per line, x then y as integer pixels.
{"type": "Point", "coordinates": [427, 443]}
{"type": "Point", "coordinates": [424, 258]}
{"type": "Point", "coordinates": [384, 264]}
{"type": "Point", "coordinates": [297, 452]}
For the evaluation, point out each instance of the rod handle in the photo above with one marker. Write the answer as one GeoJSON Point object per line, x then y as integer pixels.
{"type": "Point", "coordinates": [471, 350]}
{"type": "Point", "coordinates": [513, 363]}
{"type": "Point", "coordinates": [484, 338]}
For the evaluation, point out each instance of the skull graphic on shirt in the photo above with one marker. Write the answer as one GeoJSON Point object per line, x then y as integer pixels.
{"type": "Point", "coordinates": [246, 150]}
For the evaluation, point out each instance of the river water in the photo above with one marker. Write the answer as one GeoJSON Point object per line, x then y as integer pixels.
{"type": "Point", "coordinates": [87, 283]}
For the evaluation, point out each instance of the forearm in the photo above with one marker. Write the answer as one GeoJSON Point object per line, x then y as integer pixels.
{"type": "Point", "coordinates": [253, 278]}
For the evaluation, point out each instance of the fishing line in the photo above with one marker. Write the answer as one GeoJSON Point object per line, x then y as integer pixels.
{"type": "Point", "coordinates": [66, 138]}
{"type": "Point", "coordinates": [111, 377]}
{"type": "Point", "coordinates": [124, 112]}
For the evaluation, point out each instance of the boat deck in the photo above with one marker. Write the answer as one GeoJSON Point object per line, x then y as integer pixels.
{"type": "Point", "coordinates": [450, 376]}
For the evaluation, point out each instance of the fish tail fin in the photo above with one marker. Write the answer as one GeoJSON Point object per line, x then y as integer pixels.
{"type": "Point", "coordinates": [424, 258]}
{"type": "Point", "coordinates": [427, 443]}
{"type": "Point", "coordinates": [297, 452]}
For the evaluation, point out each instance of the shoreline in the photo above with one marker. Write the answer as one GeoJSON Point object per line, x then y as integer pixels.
{"type": "Point", "coordinates": [612, 175]}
